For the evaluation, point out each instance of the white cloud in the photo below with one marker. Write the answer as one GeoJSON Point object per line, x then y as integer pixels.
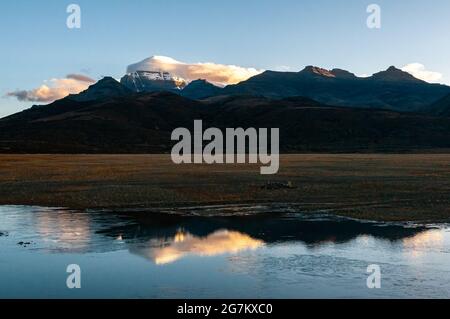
{"type": "Point", "coordinates": [219, 74]}
{"type": "Point", "coordinates": [283, 68]}
{"type": "Point", "coordinates": [54, 89]}
{"type": "Point", "coordinates": [419, 71]}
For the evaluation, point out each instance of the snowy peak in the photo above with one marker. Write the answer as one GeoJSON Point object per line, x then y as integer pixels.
{"type": "Point", "coordinates": [152, 81]}
{"type": "Point", "coordinates": [154, 76]}
{"type": "Point", "coordinates": [150, 75]}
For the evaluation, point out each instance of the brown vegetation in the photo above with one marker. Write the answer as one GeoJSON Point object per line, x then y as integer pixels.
{"type": "Point", "coordinates": [382, 187]}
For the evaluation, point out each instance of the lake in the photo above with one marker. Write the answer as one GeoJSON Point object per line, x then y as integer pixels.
{"type": "Point", "coordinates": [234, 252]}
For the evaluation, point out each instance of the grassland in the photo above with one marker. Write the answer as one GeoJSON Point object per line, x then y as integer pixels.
{"type": "Point", "coordinates": [378, 187]}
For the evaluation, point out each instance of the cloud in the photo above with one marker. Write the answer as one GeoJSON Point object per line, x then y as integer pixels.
{"type": "Point", "coordinates": [80, 77]}
{"type": "Point", "coordinates": [282, 68]}
{"type": "Point", "coordinates": [419, 71]}
{"type": "Point", "coordinates": [219, 74]}
{"type": "Point", "coordinates": [54, 89]}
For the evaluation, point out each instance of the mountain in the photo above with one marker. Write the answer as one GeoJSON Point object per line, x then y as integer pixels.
{"type": "Point", "coordinates": [392, 74]}
{"type": "Point", "coordinates": [152, 81]}
{"type": "Point", "coordinates": [134, 123]}
{"type": "Point", "coordinates": [143, 123]}
{"type": "Point", "coordinates": [441, 107]}
{"type": "Point", "coordinates": [200, 89]}
{"type": "Point", "coordinates": [106, 88]}
{"type": "Point", "coordinates": [316, 72]}
{"type": "Point", "coordinates": [343, 74]}
{"type": "Point", "coordinates": [391, 89]}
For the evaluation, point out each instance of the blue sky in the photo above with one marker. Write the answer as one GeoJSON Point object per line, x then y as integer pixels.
{"type": "Point", "coordinates": [264, 34]}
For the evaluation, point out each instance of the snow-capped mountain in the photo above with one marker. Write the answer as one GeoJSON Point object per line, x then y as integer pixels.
{"type": "Point", "coordinates": [152, 81]}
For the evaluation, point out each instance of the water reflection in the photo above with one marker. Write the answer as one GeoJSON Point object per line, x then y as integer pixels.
{"type": "Point", "coordinates": [266, 255]}
{"type": "Point", "coordinates": [166, 238]}
{"type": "Point", "coordinates": [183, 243]}
{"type": "Point", "coordinates": [418, 245]}
{"type": "Point", "coordinates": [431, 238]}
{"type": "Point", "coordinates": [269, 228]}
{"type": "Point", "coordinates": [66, 229]}
{"type": "Point", "coordinates": [57, 230]}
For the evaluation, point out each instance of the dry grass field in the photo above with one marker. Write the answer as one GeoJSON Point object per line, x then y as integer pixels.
{"type": "Point", "coordinates": [379, 187]}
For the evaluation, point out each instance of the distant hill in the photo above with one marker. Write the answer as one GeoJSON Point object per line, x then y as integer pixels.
{"type": "Point", "coordinates": [200, 89]}
{"type": "Point", "coordinates": [94, 122]}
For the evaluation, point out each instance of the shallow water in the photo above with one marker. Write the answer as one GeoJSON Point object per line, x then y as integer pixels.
{"type": "Point", "coordinates": [279, 255]}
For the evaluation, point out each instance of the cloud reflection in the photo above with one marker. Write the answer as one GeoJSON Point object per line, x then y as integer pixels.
{"type": "Point", "coordinates": [65, 229]}
{"type": "Point", "coordinates": [423, 242]}
{"type": "Point", "coordinates": [184, 244]}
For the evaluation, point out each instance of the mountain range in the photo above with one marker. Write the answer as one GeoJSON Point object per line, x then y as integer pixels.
{"type": "Point", "coordinates": [110, 117]}
{"type": "Point", "coordinates": [391, 89]}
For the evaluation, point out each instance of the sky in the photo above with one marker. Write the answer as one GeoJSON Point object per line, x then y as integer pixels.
{"type": "Point", "coordinates": [37, 46]}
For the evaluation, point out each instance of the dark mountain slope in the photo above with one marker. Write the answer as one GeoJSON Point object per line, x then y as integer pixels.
{"type": "Point", "coordinates": [106, 88]}
{"type": "Point", "coordinates": [200, 89]}
{"type": "Point", "coordinates": [136, 123]}
{"type": "Point", "coordinates": [440, 108]}
{"type": "Point", "coordinates": [306, 126]}
{"type": "Point", "coordinates": [143, 123]}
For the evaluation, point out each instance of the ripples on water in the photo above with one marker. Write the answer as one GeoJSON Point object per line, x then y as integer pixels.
{"type": "Point", "coordinates": [179, 254]}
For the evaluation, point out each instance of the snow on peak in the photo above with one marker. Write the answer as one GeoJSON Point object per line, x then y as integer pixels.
{"type": "Point", "coordinates": [218, 74]}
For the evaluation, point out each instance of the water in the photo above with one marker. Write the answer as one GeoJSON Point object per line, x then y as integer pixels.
{"type": "Point", "coordinates": [278, 255]}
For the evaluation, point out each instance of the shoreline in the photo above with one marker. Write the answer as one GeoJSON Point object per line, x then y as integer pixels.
{"type": "Point", "coordinates": [379, 187]}
{"type": "Point", "coordinates": [192, 211]}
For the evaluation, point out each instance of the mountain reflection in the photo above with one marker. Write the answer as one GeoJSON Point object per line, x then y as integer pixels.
{"type": "Point", "coordinates": [165, 238]}
{"type": "Point", "coordinates": [184, 244]}
{"type": "Point", "coordinates": [268, 228]}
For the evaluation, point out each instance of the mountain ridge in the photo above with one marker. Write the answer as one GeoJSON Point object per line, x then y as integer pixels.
{"type": "Point", "coordinates": [143, 122]}
{"type": "Point", "coordinates": [391, 89]}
